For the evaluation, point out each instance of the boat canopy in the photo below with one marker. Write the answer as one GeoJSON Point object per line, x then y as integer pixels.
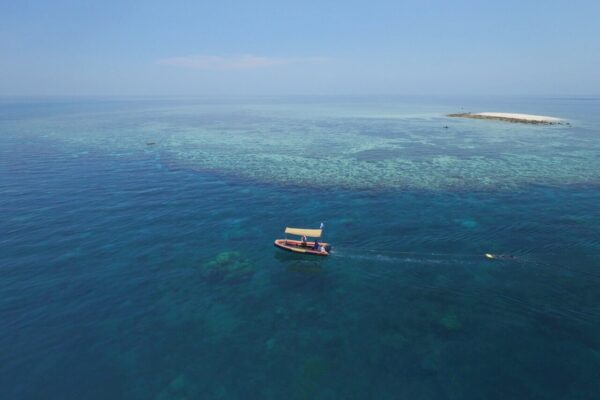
{"type": "Point", "coordinates": [304, 232]}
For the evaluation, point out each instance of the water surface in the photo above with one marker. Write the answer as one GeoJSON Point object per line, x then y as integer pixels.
{"type": "Point", "coordinates": [147, 271]}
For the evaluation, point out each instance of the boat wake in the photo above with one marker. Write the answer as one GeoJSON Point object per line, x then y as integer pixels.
{"type": "Point", "coordinates": [387, 258]}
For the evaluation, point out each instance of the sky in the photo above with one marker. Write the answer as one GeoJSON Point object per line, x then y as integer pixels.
{"type": "Point", "coordinates": [224, 47]}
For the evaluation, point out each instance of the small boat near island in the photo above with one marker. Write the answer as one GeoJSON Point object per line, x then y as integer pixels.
{"type": "Point", "coordinates": [303, 246]}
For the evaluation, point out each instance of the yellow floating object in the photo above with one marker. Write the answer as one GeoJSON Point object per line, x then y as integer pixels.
{"type": "Point", "coordinates": [490, 256]}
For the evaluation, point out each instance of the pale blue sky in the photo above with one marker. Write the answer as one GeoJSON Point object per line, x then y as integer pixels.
{"type": "Point", "coordinates": [307, 47]}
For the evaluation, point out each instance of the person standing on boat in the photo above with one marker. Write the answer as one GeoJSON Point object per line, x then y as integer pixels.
{"type": "Point", "coordinates": [303, 241]}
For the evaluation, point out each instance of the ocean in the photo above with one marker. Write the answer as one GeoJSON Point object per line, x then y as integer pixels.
{"type": "Point", "coordinates": [137, 257]}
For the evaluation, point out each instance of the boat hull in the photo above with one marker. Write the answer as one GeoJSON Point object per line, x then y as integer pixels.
{"type": "Point", "coordinates": [295, 246]}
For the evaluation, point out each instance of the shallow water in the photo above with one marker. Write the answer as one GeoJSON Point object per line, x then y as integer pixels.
{"type": "Point", "coordinates": [147, 271]}
{"type": "Point", "coordinates": [377, 144]}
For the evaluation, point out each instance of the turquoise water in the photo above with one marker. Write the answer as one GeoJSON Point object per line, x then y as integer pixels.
{"type": "Point", "coordinates": [147, 271]}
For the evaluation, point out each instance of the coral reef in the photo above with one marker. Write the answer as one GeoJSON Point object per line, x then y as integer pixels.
{"type": "Point", "coordinates": [320, 149]}
{"type": "Point", "coordinates": [450, 322]}
{"type": "Point", "coordinates": [228, 267]}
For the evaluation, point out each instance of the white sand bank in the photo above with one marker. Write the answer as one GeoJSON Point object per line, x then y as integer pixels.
{"type": "Point", "coordinates": [523, 117]}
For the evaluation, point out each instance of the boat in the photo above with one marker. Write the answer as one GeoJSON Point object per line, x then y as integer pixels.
{"type": "Point", "coordinates": [304, 247]}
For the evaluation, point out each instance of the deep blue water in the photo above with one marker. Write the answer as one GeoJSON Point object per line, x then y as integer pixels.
{"type": "Point", "coordinates": [129, 275]}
